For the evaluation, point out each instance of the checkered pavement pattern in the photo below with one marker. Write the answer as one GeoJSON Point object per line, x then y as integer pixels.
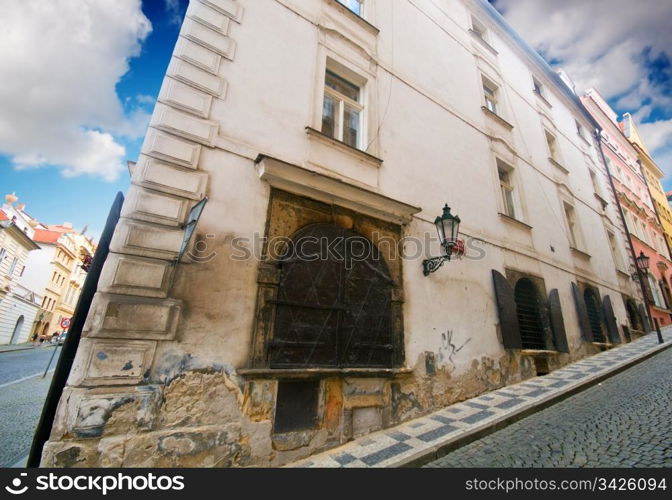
{"type": "Point", "coordinates": [402, 444]}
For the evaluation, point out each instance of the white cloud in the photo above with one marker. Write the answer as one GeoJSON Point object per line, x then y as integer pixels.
{"type": "Point", "coordinates": [173, 10]}
{"type": "Point", "coordinates": [601, 44]}
{"type": "Point", "coordinates": [60, 61]}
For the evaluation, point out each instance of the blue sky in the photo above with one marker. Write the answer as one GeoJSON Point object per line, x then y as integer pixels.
{"type": "Point", "coordinates": [55, 195]}
{"type": "Point", "coordinates": [76, 96]}
{"type": "Point", "coordinates": [620, 47]}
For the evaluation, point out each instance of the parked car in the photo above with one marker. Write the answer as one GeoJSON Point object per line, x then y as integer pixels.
{"type": "Point", "coordinates": [58, 339]}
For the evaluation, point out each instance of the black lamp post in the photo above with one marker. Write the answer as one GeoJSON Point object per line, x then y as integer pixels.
{"type": "Point", "coordinates": [447, 226]}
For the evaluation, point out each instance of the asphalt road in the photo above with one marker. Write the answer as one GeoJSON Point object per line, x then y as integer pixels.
{"type": "Point", "coordinates": [21, 400]}
{"type": "Point", "coordinates": [16, 365]}
{"type": "Point", "coordinates": [622, 422]}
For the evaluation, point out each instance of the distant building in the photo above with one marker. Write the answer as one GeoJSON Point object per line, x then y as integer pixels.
{"type": "Point", "coordinates": [56, 271]}
{"type": "Point", "coordinates": [630, 166]}
{"type": "Point", "coordinates": [19, 305]}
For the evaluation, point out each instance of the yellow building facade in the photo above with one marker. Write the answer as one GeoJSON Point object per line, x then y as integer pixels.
{"type": "Point", "coordinates": [653, 175]}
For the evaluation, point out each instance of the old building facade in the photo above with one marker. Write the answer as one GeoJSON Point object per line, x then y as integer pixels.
{"type": "Point", "coordinates": [19, 306]}
{"type": "Point", "coordinates": [327, 138]}
{"type": "Point", "coordinates": [647, 235]}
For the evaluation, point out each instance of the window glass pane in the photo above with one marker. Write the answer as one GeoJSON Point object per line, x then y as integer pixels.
{"type": "Point", "coordinates": [342, 86]}
{"type": "Point", "coordinates": [508, 202]}
{"type": "Point", "coordinates": [329, 116]}
{"type": "Point", "coordinates": [351, 126]}
{"type": "Point", "coordinates": [354, 5]}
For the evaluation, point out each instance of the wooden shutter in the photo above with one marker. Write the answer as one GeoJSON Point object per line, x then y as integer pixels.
{"type": "Point", "coordinates": [557, 322]}
{"type": "Point", "coordinates": [582, 313]}
{"type": "Point", "coordinates": [610, 320]}
{"type": "Point", "coordinates": [506, 306]}
{"type": "Point", "coordinates": [645, 318]}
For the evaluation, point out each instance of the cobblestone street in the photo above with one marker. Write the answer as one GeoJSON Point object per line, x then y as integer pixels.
{"type": "Point", "coordinates": [622, 422]}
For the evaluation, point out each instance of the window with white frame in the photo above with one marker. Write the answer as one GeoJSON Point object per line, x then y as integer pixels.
{"type": "Point", "coordinates": [655, 290]}
{"type": "Point", "coordinates": [537, 87]}
{"type": "Point", "coordinates": [552, 146]}
{"type": "Point", "coordinates": [354, 5]}
{"type": "Point", "coordinates": [575, 237]}
{"type": "Point", "coordinates": [12, 267]}
{"type": "Point", "coordinates": [342, 110]}
{"type": "Point", "coordinates": [579, 129]}
{"type": "Point", "coordinates": [478, 29]}
{"type": "Point", "coordinates": [491, 94]}
{"type": "Point", "coordinates": [506, 187]}
{"type": "Point", "coordinates": [615, 252]}
{"type": "Point", "coordinates": [596, 183]}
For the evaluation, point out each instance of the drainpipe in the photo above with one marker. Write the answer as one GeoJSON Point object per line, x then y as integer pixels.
{"type": "Point", "coordinates": [640, 275]}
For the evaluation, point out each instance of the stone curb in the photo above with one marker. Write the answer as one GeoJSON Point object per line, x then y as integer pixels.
{"type": "Point", "coordinates": [478, 432]}
{"type": "Point", "coordinates": [430, 452]}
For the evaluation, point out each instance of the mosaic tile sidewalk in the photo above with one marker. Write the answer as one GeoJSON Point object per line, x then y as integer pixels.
{"type": "Point", "coordinates": [423, 437]}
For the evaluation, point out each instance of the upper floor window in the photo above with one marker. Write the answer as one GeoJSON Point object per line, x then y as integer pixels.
{"type": "Point", "coordinates": [491, 94]}
{"type": "Point", "coordinates": [552, 146]}
{"type": "Point", "coordinates": [537, 87]}
{"type": "Point", "coordinates": [12, 267]}
{"type": "Point", "coordinates": [478, 28]}
{"type": "Point", "coordinates": [3, 252]}
{"type": "Point", "coordinates": [342, 110]}
{"type": "Point", "coordinates": [579, 129]}
{"type": "Point", "coordinates": [354, 5]}
{"type": "Point", "coordinates": [575, 236]}
{"type": "Point", "coordinates": [506, 187]}
{"type": "Point", "coordinates": [615, 252]}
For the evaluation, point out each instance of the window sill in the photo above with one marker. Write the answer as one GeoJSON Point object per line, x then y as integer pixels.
{"type": "Point", "coordinates": [558, 166]}
{"type": "Point", "coordinates": [497, 118]}
{"type": "Point", "coordinates": [538, 352]}
{"type": "Point", "coordinates": [483, 42]}
{"type": "Point", "coordinates": [355, 17]}
{"type": "Point", "coordinates": [286, 373]}
{"type": "Point", "coordinates": [314, 133]}
{"type": "Point", "coordinates": [512, 220]}
{"type": "Point", "coordinates": [580, 253]}
{"type": "Point", "coordinates": [542, 99]}
{"type": "Point", "coordinates": [623, 273]}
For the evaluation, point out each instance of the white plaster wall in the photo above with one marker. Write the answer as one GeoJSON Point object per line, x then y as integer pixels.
{"type": "Point", "coordinates": [11, 308]}
{"type": "Point", "coordinates": [424, 95]}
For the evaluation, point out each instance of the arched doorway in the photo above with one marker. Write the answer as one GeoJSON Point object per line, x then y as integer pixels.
{"type": "Point", "coordinates": [594, 317]}
{"type": "Point", "coordinates": [528, 308]}
{"type": "Point", "coordinates": [17, 330]}
{"type": "Point", "coordinates": [334, 302]}
{"type": "Point", "coordinates": [633, 315]}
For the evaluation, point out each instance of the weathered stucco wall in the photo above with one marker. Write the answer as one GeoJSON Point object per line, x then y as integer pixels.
{"type": "Point", "coordinates": [163, 374]}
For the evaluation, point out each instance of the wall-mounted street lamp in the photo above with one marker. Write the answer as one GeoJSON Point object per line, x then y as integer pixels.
{"type": "Point", "coordinates": [447, 226]}
{"type": "Point", "coordinates": [643, 263]}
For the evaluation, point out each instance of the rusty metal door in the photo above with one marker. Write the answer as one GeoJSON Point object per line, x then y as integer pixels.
{"type": "Point", "coordinates": [334, 302]}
